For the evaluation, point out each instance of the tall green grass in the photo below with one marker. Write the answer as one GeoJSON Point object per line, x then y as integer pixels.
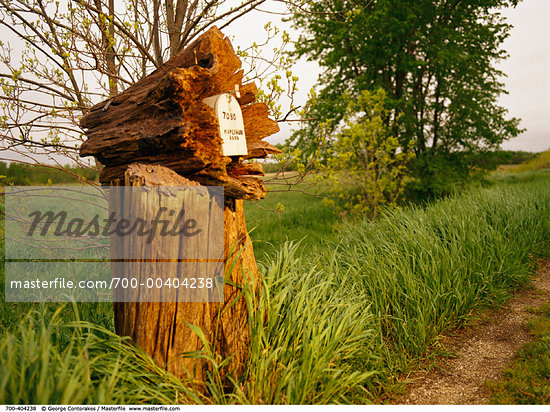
{"type": "Point", "coordinates": [425, 270]}
{"type": "Point", "coordinates": [51, 359]}
{"type": "Point", "coordinates": [333, 323]}
{"type": "Point", "coordinates": [313, 340]}
{"type": "Point", "coordinates": [401, 282]}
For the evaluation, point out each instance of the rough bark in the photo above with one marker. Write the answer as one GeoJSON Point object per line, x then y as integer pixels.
{"type": "Point", "coordinates": [162, 120]}
{"type": "Point", "coordinates": [160, 328]}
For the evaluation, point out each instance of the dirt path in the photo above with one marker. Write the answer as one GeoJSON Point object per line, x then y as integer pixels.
{"type": "Point", "coordinates": [482, 351]}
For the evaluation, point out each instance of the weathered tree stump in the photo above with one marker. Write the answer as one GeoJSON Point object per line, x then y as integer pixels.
{"type": "Point", "coordinates": [163, 120]}
{"type": "Point", "coordinates": [160, 133]}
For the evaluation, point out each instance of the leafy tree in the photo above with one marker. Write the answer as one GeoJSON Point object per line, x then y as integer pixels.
{"type": "Point", "coordinates": [366, 166]}
{"type": "Point", "coordinates": [436, 61]}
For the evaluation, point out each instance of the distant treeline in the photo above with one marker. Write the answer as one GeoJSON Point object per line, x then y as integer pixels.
{"type": "Point", "coordinates": [20, 174]}
{"type": "Point", "coordinates": [495, 159]}
{"type": "Point", "coordinates": [540, 162]}
{"type": "Point", "coordinates": [275, 167]}
{"type": "Point", "coordinates": [508, 157]}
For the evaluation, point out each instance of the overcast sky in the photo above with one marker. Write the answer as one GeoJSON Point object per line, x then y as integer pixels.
{"type": "Point", "coordinates": [528, 70]}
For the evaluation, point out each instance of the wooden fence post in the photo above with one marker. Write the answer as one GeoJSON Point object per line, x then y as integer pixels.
{"type": "Point", "coordinates": [160, 132]}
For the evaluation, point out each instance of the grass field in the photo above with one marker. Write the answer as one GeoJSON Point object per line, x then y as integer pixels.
{"type": "Point", "coordinates": [289, 215]}
{"type": "Point", "coordinates": [540, 162]}
{"type": "Point", "coordinates": [341, 314]}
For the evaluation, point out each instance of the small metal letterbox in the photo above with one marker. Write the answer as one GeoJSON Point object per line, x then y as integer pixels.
{"type": "Point", "coordinates": [230, 117]}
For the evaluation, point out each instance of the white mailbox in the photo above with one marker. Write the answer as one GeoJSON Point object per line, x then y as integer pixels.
{"type": "Point", "coordinates": [230, 118]}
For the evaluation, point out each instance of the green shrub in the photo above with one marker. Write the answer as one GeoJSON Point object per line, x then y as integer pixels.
{"type": "Point", "coordinates": [542, 161]}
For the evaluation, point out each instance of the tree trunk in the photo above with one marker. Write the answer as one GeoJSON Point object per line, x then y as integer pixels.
{"type": "Point", "coordinates": [159, 132]}
{"type": "Point", "coordinates": [161, 328]}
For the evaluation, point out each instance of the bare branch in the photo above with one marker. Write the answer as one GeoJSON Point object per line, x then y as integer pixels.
{"type": "Point", "coordinates": [120, 26]}
{"type": "Point", "coordinates": [36, 83]}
